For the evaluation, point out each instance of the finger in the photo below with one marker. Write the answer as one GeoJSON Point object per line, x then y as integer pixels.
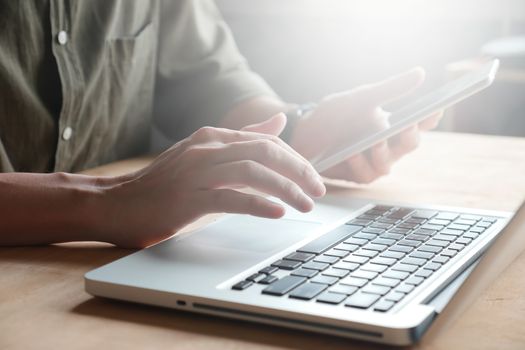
{"type": "Point", "coordinates": [356, 169]}
{"type": "Point", "coordinates": [221, 135]}
{"type": "Point", "coordinates": [395, 87]}
{"type": "Point", "coordinates": [231, 201]}
{"type": "Point", "coordinates": [405, 142]}
{"type": "Point", "coordinates": [274, 157]}
{"type": "Point", "coordinates": [431, 121]}
{"type": "Point", "coordinates": [380, 158]}
{"type": "Point", "coordinates": [254, 175]}
{"type": "Point", "coordinates": [273, 126]}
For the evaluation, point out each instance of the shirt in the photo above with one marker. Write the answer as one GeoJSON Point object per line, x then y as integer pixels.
{"type": "Point", "coordinates": [82, 83]}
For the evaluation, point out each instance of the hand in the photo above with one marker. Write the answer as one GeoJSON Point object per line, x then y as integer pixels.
{"type": "Point", "coordinates": [351, 114]}
{"type": "Point", "coordinates": [200, 175]}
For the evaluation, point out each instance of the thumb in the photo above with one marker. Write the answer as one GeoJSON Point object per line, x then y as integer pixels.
{"type": "Point", "coordinates": [395, 87]}
{"type": "Point", "coordinates": [273, 126]}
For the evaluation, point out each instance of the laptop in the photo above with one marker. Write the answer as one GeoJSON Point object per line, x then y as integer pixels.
{"type": "Point", "coordinates": [380, 272]}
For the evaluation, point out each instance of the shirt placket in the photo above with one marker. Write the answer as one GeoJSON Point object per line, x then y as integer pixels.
{"type": "Point", "coordinates": [71, 82]}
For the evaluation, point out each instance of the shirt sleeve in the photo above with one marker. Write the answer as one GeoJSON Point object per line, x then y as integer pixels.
{"type": "Point", "coordinates": [200, 73]}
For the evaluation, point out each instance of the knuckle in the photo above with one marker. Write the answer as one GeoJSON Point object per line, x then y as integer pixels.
{"type": "Point", "coordinates": [203, 133]}
{"type": "Point", "coordinates": [247, 166]}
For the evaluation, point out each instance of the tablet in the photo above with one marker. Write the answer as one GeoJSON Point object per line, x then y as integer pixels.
{"type": "Point", "coordinates": [438, 99]}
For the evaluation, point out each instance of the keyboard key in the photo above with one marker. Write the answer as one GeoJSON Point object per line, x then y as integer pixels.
{"type": "Point", "coordinates": [447, 238]}
{"type": "Point", "coordinates": [356, 259]}
{"type": "Point", "coordinates": [360, 222]}
{"type": "Point", "coordinates": [395, 296]}
{"type": "Point", "coordinates": [468, 222]}
{"type": "Point", "coordinates": [383, 305]}
{"type": "Point", "coordinates": [384, 241]}
{"type": "Point", "coordinates": [242, 285]}
{"type": "Point", "coordinates": [256, 277]}
{"type": "Point", "coordinates": [361, 300]}
{"type": "Point", "coordinates": [404, 267]}
{"type": "Point", "coordinates": [432, 227]}
{"type": "Point", "coordinates": [307, 291]}
{"type": "Point", "coordinates": [384, 281]}
{"type": "Point", "coordinates": [405, 288]}
{"type": "Point", "coordinates": [356, 241]}
{"type": "Point", "coordinates": [400, 230]}
{"type": "Point", "coordinates": [394, 236]}
{"type": "Point", "coordinates": [437, 242]}
{"type": "Point", "coordinates": [388, 220]}
{"type": "Point", "coordinates": [369, 275]}
{"type": "Point", "coordinates": [441, 259]}
{"type": "Point", "coordinates": [343, 289]}
{"type": "Point", "coordinates": [381, 226]}
{"type": "Point", "coordinates": [328, 280]}
{"type": "Point", "coordinates": [456, 246]}
{"type": "Point", "coordinates": [463, 240]}
{"type": "Point", "coordinates": [330, 239]}
{"type": "Point", "coordinates": [331, 298]}
{"type": "Point", "coordinates": [400, 275]}
{"type": "Point", "coordinates": [422, 231]}
{"type": "Point", "coordinates": [376, 247]}
{"type": "Point", "coordinates": [455, 233]}
{"type": "Point", "coordinates": [477, 229]}
{"type": "Point", "coordinates": [383, 261]}
{"type": "Point", "coordinates": [347, 247]}
{"type": "Point", "coordinates": [366, 252]}
{"type": "Point", "coordinates": [408, 242]}
{"type": "Point", "coordinates": [424, 214]}
{"type": "Point", "coordinates": [414, 261]}
{"type": "Point", "coordinates": [449, 253]}
{"type": "Point", "coordinates": [401, 248]}
{"type": "Point", "coordinates": [364, 235]}
{"type": "Point", "coordinates": [458, 227]}
{"type": "Point", "coordinates": [337, 253]}
{"type": "Point", "coordinates": [326, 259]}
{"type": "Point", "coordinates": [284, 285]}
{"type": "Point", "coordinates": [440, 222]}
{"type": "Point", "coordinates": [422, 255]}
{"type": "Point", "coordinates": [374, 267]}
{"type": "Point", "coordinates": [393, 255]}
{"type": "Point", "coordinates": [354, 281]}
{"type": "Point", "coordinates": [484, 224]}
{"type": "Point", "coordinates": [346, 266]}
{"type": "Point", "coordinates": [433, 266]}
{"type": "Point", "coordinates": [376, 231]}
{"type": "Point", "coordinates": [298, 256]}
{"type": "Point", "coordinates": [401, 213]}
{"type": "Point", "coordinates": [269, 279]}
{"type": "Point", "coordinates": [414, 280]}
{"type": "Point", "coordinates": [305, 273]}
{"type": "Point", "coordinates": [470, 217]}
{"type": "Point", "coordinates": [312, 265]}
{"type": "Point", "coordinates": [447, 216]}
{"type": "Point", "coordinates": [424, 273]}
{"type": "Point", "coordinates": [417, 237]}
{"type": "Point", "coordinates": [471, 235]}
{"type": "Point", "coordinates": [407, 225]}
{"type": "Point", "coordinates": [269, 270]}
{"type": "Point", "coordinates": [430, 248]}
{"type": "Point", "coordinates": [286, 264]}
{"type": "Point", "coordinates": [336, 272]}
{"type": "Point", "coordinates": [376, 289]}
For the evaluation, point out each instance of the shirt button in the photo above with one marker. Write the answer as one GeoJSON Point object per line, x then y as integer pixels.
{"type": "Point", "coordinates": [67, 133]}
{"type": "Point", "coordinates": [62, 37]}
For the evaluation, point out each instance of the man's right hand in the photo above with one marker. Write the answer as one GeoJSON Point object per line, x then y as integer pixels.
{"type": "Point", "coordinates": [201, 175]}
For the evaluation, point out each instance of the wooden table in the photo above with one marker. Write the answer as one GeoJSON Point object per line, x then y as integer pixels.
{"type": "Point", "coordinates": [43, 304]}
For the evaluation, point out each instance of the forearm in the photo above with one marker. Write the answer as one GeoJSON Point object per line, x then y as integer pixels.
{"type": "Point", "coordinates": [49, 208]}
{"type": "Point", "coordinates": [253, 111]}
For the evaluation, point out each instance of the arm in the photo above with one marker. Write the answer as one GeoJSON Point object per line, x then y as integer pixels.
{"type": "Point", "coordinates": [197, 176]}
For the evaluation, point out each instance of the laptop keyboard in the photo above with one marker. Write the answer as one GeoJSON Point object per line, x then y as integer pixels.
{"type": "Point", "coordinates": [373, 261]}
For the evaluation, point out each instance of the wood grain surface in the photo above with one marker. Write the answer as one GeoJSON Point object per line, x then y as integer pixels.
{"type": "Point", "coordinates": [43, 304]}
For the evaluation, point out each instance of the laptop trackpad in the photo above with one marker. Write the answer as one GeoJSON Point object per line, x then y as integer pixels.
{"type": "Point", "coordinates": [252, 234]}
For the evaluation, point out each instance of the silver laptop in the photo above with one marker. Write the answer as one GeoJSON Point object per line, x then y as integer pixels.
{"type": "Point", "coordinates": [352, 268]}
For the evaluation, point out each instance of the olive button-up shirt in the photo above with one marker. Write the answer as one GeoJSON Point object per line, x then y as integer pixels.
{"type": "Point", "coordinates": [82, 83]}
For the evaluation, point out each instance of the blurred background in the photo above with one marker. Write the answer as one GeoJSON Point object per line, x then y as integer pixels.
{"type": "Point", "coordinates": [306, 49]}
